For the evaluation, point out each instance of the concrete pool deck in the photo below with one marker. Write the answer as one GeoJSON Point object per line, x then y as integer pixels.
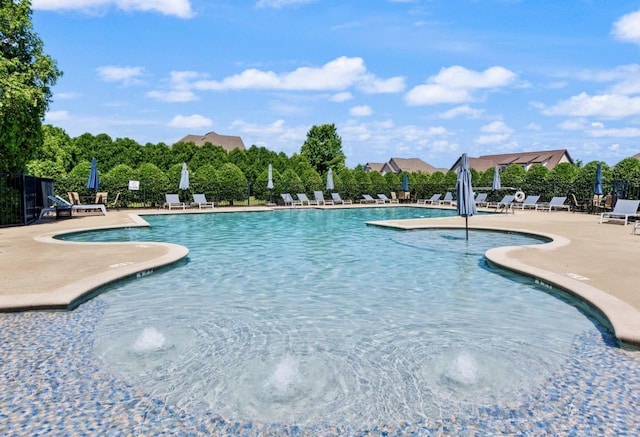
{"type": "Point", "coordinates": [594, 261]}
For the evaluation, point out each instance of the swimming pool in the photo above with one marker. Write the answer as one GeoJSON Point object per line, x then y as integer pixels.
{"type": "Point", "coordinates": [308, 319]}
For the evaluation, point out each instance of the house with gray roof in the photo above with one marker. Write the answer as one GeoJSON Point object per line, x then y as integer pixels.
{"type": "Point", "coordinates": [227, 142]}
{"type": "Point", "coordinates": [400, 165]}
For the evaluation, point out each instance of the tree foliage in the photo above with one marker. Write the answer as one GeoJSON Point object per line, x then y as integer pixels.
{"type": "Point", "coordinates": [323, 148]}
{"type": "Point", "coordinates": [26, 77]}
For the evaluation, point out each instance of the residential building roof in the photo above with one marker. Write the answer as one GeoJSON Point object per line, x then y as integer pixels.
{"type": "Point", "coordinates": [374, 166]}
{"type": "Point", "coordinates": [548, 158]}
{"type": "Point", "coordinates": [227, 142]}
{"type": "Point", "coordinates": [399, 165]}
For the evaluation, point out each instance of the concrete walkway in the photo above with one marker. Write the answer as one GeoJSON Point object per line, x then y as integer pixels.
{"type": "Point", "coordinates": [597, 262]}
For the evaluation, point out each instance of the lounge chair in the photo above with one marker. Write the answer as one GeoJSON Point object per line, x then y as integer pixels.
{"type": "Point", "coordinates": [622, 210]}
{"type": "Point", "coordinates": [366, 198]}
{"type": "Point", "coordinates": [481, 199]}
{"type": "Point", "coordinates": [385, 199]}
{"type": "Point", "coordinates": [556, 203]}
{"type": "Point", "coordinates": [289, 200]}
{"type": "Point", "coordinates": [529, 202]}
{"type": "Point", "coordinates": [337, 199]}
{"type": "Point", "coordinates": [62, 205]}
{"type": "Point", "coordinates": [173, 201]}
{"type": "Point", "coordinates": [201, 201]}
{"type": "Point", "coordinates": [101, 197]}
{"type": "Point", "coordinates": [636, 226]}
{"type": "Point", "coordinates": [448, 198]}
{"type": "Point", "coordinates": [114, 202]}
{"type": "Point", "coordinates": [505, 204]}
{"type": "Point", "coordinates": [304, 199]}
{"type": "Point", "coordinates": [432, 201]}
{"type": "Point", "coordinates": [320, 198]}
{"type": "Point", "coordinates": [74, 197]}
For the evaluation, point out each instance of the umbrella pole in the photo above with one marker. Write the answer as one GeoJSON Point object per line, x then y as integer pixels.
{"type": "Point", "coordinates": [466, 225]}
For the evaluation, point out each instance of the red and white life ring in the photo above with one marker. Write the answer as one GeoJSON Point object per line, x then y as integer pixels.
{"type": "Point", "coordinates": [519, 197]}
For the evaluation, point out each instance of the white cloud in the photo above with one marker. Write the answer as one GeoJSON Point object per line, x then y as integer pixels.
{"type": "Point", "coordinates": [627, 132]}
{"type": "Point", "coordinates": [605, 105]}
{"type": "Point", "coordinates": [190, 122]}
{"type": "Point", "coordinates": [178, 8]}
{"type": "Point", "coordinates": [462, 111]}
{"type": "Point", "coordinates": [627, 28]}
{"type": "Point", "coordinates": [496, 132]}
{"type": "Point", "coordinates": [574, 124]}
{"type": "Point", "coordinates": [55, 116]}
{"type": "Point", "coordinates": [361, 111]}
{"type": "Point", "coordinates": [339, 74]}
{"type": "Point", "coordinates": [176, 96]}
{"type": "Point", "coordinates": [534, 126]}
{"type": "Point", "coordinates": [66, 96]}
{"type": "Point", "coordinates": [280, 3]}
{"type": "Point", "coordinates": [341, 97]}
{"type": "Point", "coordinates": [457, 85]}
{"type": "Point", "coordinates": [115, 73]}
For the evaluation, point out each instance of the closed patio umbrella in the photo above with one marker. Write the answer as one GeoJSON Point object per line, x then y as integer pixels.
{"type": "Point", "coordinates": [405, 182]}
{"type": "Point", "coordinates": [93, 183]}
{"type": "Point", "coordinates": [270, 183]}
{"type": "Point", "coordinates": [465, 205]}
{"type": "Point", "coordinates": [496, 184]}
{"type": "Point", "coordinates": [184, 177]}
{"type": "Point", "coordinates": [597, 187]}
{"type": "Point", "coordinates": [330, 180]}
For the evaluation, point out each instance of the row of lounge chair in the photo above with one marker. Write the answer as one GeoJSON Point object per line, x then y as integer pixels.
{"type": "Point", "coordinates": [318, 199]}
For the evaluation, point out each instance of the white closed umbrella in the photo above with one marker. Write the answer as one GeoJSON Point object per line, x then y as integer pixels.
{"type": "Point", "coordinates": [184, 177]}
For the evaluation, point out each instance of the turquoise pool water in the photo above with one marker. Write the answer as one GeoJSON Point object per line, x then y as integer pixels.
{"type": "Point", "coordinates": [312, 316]}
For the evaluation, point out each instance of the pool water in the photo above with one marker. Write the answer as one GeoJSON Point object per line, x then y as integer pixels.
{"type": "Point", "coordinates": [311, 316]}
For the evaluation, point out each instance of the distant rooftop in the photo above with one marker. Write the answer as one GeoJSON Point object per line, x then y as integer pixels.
{"type": "Point", "coordinates": [227, 142]}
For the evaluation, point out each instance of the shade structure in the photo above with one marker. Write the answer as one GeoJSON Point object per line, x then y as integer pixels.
{"type": "Point", "coordinates": [597, 187]}
{"type": "Point", "coordinates": [405, 182]}
{"type": "Point", "coordinates": [93, 183]}
{"type": "Point", "coordinates": [465, 204]}
{"type": "Point", "coordinates": [330, 180]}
{"type": "Point", "coordinates": [496, 184]}
{"type": "Point", "coordinates": [184, 177]}
{"type": "Point", "coordinates": [270, 178]}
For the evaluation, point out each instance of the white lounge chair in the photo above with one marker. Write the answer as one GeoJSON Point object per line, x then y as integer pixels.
{"type": "Point", "coordinates": [173, 201]}
{"type": "Point", "coordinates": [448, 198]}
{"type": "Point", "coordinates": [366, 198]}
{"type": "Point", "coordinates": [304, 199]}
{"type": "Point", "coordinates": [481, 199]}
{"type": "Point", "coordinates": [63, 204]}
{"type": "Point", "coordinates": [201, 201]}
{"type": "Point", "coordinates": [557, 203]}
{"type": "Point", "coordinates": [337, 199]}
{"type": "Point", "coordinates": [529, 202]}
{"type": "Point", "coordinates": [503, 205]}
{"type": "Point", "coordinates": [636, 226]}
{"type": "Point", "coordinates": [622, 210]}
{"type": "Point", "coordinates": [385, 199]}
{"type": "Point", "coordinates": [432, 201]}
{"type": "Point", "coordinates": [320, 200]}
{"type": "Point", "coordinates": [289, 200]}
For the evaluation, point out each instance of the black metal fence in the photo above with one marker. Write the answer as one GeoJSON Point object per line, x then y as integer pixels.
{"type": "Point", "coordinates": [22, 198]}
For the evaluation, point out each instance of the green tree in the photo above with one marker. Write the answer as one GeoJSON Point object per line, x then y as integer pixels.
{"type": "Point", "coordinates": [233, 183]}
{"type": "Point", "coordinates": [290, 182]}
{"type": "Point", "coordinates": [535, 181]}
{"type": "Point", "coordinates": [513, 176]}
{"type": "Point", "coordinates": [561, 180]}
{"type": "Point", "coordinates": [157, 154]}
{"type": "Point", "coordinates": [378, 184]}
{"type": "Point", "coordinates": [323, 148]}
{"type": "Point", "coordinates": [26, 77]}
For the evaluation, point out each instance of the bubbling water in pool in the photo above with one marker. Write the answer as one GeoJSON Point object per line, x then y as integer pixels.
{"type": "Point", "coordinates": [150, 339]}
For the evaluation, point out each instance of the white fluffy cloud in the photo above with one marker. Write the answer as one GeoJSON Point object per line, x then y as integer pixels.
{"type": "Point", "coordinates": [361, 111]}
{"type": "Point", "coordinates": [494, 133]}
{"type": "Point", "coordinates": [627, 28]}
{"type": "Point", "coordinates": [604, 105]}
{"type": "Point", "coordinates": [341, 97]}
{"type": "Point", "coordinates": [115, 73]}
{"type": "Point", "coordinates": [280, 3]}
{"type": "Point", "coordinates": [339, 74]}
{"type": "Point", "coordinates": [462, 111]}
{"type": "Point", "coordinates": [190, 122]}
{"type": "Point", "coordinates": [178, 8]}
{"type": "Point", "coordinates": [457, 85]}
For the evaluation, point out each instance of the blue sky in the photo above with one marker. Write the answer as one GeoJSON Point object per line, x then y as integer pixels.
{"type": "Point", "coordinates": [399, 78]}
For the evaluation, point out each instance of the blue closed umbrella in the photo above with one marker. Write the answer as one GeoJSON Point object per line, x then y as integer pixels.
{"type": "Point", "coordinates": [405, 182]}
{"type": "Point", "coordinates": [465, 205]}
{"type": "Point", "coordinates": [93, 183]}
{"type": "Point", "coordinates": [184, 177]}
{"type": "Point", "coordinates": [597, 188]}
{"type": "Point", "coordinates": [330, 180]}
{"type": "Point", "coordinates": [496, 184]}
